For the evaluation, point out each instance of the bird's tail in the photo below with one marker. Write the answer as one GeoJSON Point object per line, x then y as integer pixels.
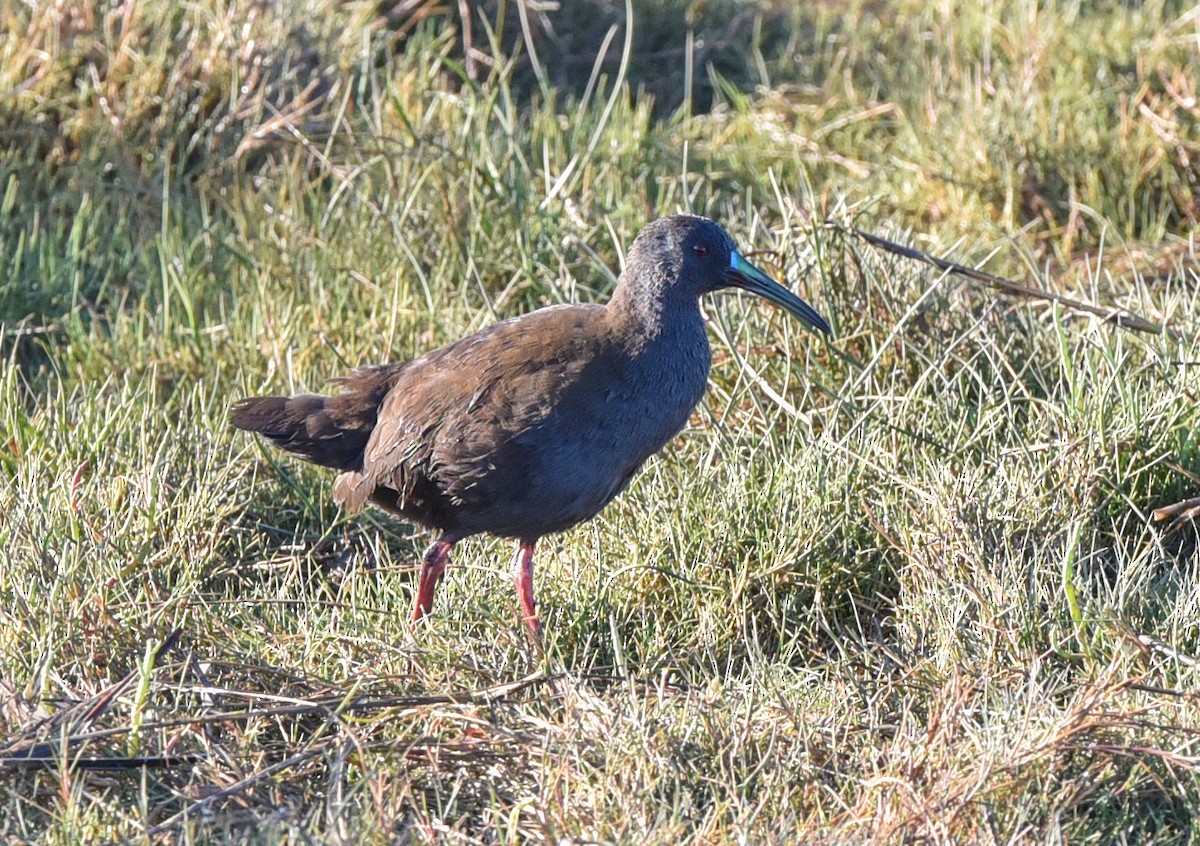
{"type": "Point", "coordinates": [330, 431]}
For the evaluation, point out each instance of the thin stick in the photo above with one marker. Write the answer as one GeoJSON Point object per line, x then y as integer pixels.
{"type": "Point", "coordinates": [1121, 317]}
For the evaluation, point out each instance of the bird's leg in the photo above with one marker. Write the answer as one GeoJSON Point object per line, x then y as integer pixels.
{"type": "Point", "coordinates": [432, 566]}
{"type": "Point", "coordinates": [523, 579]}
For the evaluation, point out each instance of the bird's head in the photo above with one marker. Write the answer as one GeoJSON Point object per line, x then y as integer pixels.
{"type": "Point", "coordinates": [687, 256]}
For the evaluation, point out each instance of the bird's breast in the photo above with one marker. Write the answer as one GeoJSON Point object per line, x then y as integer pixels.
{"type": "Point", "coordinates": [605, 426]}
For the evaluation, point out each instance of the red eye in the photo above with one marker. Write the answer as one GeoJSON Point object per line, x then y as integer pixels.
{"type": "Point", "coordinates": [700, 249]}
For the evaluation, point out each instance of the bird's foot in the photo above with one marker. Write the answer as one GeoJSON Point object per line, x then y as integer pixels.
{"type": "Point", "coordinates": [523, 580]}
{"type": "Point", "coordinates": [437, 556]}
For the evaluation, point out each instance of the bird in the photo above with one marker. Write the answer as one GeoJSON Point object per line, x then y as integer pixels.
{"type": "Point", "coordinates": [534, 424]}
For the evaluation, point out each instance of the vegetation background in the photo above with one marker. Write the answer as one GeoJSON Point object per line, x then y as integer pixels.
{"type": "Point", "coordinates": [903, 587]}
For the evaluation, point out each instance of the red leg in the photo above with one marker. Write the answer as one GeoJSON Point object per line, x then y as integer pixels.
{"type": "Point", "coordinates": [523, 578]}
{"type": "Point", "coordinates": [432, 566]}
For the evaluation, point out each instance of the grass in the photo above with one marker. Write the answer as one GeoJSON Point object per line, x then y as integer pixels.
{"type": "Point", "coordinates": [904, 587]}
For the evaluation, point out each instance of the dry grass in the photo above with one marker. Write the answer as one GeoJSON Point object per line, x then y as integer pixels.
{"type": "Point", "coordinates": [904, 587]}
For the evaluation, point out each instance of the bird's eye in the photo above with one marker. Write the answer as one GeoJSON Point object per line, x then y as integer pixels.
{"type": "Point", "coordinates": [700, 249]}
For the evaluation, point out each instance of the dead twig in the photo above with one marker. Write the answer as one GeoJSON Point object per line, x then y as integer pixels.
{"type": "Point", "coordinates": [325, 705]}
{"type": "Point", "coordinates": [1119, 317]}
{"type": "Point", "coordinates": [35, 760]}
{"type": "Point", "coordinates": [1178, 514]}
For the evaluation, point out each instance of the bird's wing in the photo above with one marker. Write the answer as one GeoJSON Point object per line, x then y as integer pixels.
{"type": "Point", "coordinates": [456, 414]}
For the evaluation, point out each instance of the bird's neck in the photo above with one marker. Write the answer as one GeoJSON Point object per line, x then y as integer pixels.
{"type": "Point", "coordinates": [664, 347]}
{"type": "Point", "coordinates": [646, 309]}
{"type": "Point", "coordinates": [662, 350]}
{"type": "Point", "coordinates": [657, 320]}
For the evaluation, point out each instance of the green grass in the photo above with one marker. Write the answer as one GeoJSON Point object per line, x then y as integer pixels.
{"type": "Point", "coordinates": [903, 587]}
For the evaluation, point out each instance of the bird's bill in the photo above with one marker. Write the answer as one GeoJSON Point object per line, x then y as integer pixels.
{"type": "Point", "coordinates": [742, 274]}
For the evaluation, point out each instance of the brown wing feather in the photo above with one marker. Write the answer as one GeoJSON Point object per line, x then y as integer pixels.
{"type": "Point", "coordinates": [462, 412]}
